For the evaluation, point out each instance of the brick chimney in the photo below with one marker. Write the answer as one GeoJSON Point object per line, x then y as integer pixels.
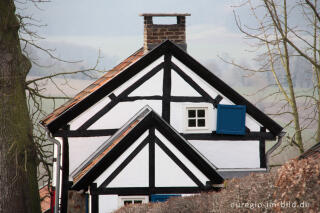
{"type": "Point", "coordinates": [154, 34]}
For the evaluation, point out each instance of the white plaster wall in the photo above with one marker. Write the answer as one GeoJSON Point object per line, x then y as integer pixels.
{"type": "Point", "coordinates": [254, 125]}
{"type": "Point", "coordinates": [204, 85]}
{"type": "Point", "coordinates": [124, 86]}
{"type": "Point", "coordinates": [108, 203]}
{"type": "Point", "coordinates": [151, 87]}
{"type": "Point", "coordinates": [162, 180]}
{"type": "Point", "coordinates": [80, 148]}
{"type": "Point", "coordinates": [180, 87]}
{"type": "Point", "coordinates": [123, 112]}
{"type": "Point", "coordinates": [83, 117]}
{"type": "Point", "coordinates": [120, 159]}
{"type": "Point", "coordinates": [168, 173]}
{"type": "Point", "coordinates": [136, 173]}
{"type": "Point", "coordinates": [178, 117]}
{"type": "Point", "coordinates": [230, 154]}
{"type": "Point", "coordinates": [225, 101]}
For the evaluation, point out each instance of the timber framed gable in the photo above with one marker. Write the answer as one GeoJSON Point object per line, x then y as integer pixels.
{"type": "Point", "coordinates": [166, 49]}
{"type": "Point", "coordinates": [145, 121]}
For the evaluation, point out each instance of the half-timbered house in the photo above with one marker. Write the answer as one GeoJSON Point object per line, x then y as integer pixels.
{"type": "Point", "coordinates": [159, 124]}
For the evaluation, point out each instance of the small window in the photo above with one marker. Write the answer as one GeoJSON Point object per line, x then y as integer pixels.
{"type": "Point", "coordinates": [197, 117]}
{"type": "Point", "coordinates": [129, 200]}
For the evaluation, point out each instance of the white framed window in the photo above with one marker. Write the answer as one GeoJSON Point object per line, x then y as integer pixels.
{"type": "Point", "coordinates": [197, 117]}
{"type": "Point", "coordinates": [129, 200]}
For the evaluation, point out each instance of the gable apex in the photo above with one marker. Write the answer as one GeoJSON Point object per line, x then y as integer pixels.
{"type": "Point", "coordinates": [167, 47]}
{"type": "Point", "coordinates": [146, 119]}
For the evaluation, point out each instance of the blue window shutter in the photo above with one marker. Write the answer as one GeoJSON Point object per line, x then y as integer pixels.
{"type": "Point", "coordinates": [231, 119]}
{"type": "Point", "coordinates": [162, 197]}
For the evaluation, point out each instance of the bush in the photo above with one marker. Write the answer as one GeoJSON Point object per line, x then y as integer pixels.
{"type": "Point", "coordinates": [294, 187]}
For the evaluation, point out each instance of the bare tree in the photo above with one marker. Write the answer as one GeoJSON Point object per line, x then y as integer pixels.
{"type": "Point", "coordinates": [23, 145]}
{"type": "Point", "coordinates": [278, 40]}
{"type": "Point", "coordinates": [18, 157]}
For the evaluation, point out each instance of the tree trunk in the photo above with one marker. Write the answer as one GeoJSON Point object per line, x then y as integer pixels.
{"type": "Point", "coordinates": [316, 70]}
{"type": "Point", "coordinates": [18, 158]}
{"type": "Point", "coordinates": [293, 102]}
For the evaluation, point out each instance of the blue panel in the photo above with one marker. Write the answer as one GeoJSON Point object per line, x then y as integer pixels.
{"type": "Point", "coordinates": [162, 198]}
{"type": "Point", "coordinates": [231, 119]}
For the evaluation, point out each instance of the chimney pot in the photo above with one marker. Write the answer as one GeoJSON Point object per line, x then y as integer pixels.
{"type": "Point", "coordinates": [154, 34]}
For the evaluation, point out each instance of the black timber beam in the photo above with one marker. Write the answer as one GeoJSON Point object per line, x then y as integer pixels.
{"type": "Point", "coordinates": [262, 149]}
{"type": "Point", "coordinates": [124, 163]}
{"type": "Point", "coordinates": [249, 136]}
{"type": "Point", "coordinates": [180, 164]}
{"type": "Point", "coordinates": [113, 154]}
{"type": "Point", "coordinates": [189, 136]}
{"type": "Point", "coordinates": [148, 190]}
{"type": "Point", "coordinates": [97, 95]}
{"type": "Point", "coordinates": [124, 94]}
{"type": "Point", "coordinates": [166, 87]}
{"type": "Point", "coordinates": [85, 133]}
{"type": "Point", "coordinates": [223, 88]}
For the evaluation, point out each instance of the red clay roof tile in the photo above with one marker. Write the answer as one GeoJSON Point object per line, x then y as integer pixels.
{"type": "Point", "coordinates": [94, 86]}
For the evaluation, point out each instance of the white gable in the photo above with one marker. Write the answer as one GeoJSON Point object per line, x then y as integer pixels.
{"type": "Point", "coordinates": [83, 117]}
{"type": "Point", "coordinates": [168, 173]}
{"type": "Point", "coordinates": [125, 85]}
{"type": "Point", "coordinates": [182, 158]}
{"type": "Point", "coordinates": [180, 87]}
{"type": "Point", "coordinates": [120, 159]}
{"type": "Point", "coordinates": [254, 125]}
{"type": "Point", "coordinates": [151, 87]}
{"type": "Point", "coordinates": [198, 80]}
{"type": "Point", "coordinates": [136, 173]}
{"type": "Point", "coordinates": [123, 112]}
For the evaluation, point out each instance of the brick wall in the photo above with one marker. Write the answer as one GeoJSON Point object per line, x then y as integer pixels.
{"type": "Point", "coordinates": [154, 34]}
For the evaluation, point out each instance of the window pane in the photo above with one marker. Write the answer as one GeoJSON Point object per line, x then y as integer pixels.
{"type": "Point", "coordinates": [191, 113]}
{"type": "Point", "coordinates": [137, 201]}
{"type": "Point", "coordinates": [127, 202]}
{"type": "Point", "coordinates": [201, 113]}
{"type": "Point", "coordinates": [191, 122]}
{"type": "Point", "coordinates": [201, 122]}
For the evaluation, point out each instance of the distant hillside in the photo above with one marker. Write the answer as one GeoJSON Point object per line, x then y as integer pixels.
{"type": "Point", "coordinates": [85, 57]}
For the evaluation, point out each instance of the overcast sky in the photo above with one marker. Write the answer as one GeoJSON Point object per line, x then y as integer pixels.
{"type": "Point", "coordinates": [115, 27]}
